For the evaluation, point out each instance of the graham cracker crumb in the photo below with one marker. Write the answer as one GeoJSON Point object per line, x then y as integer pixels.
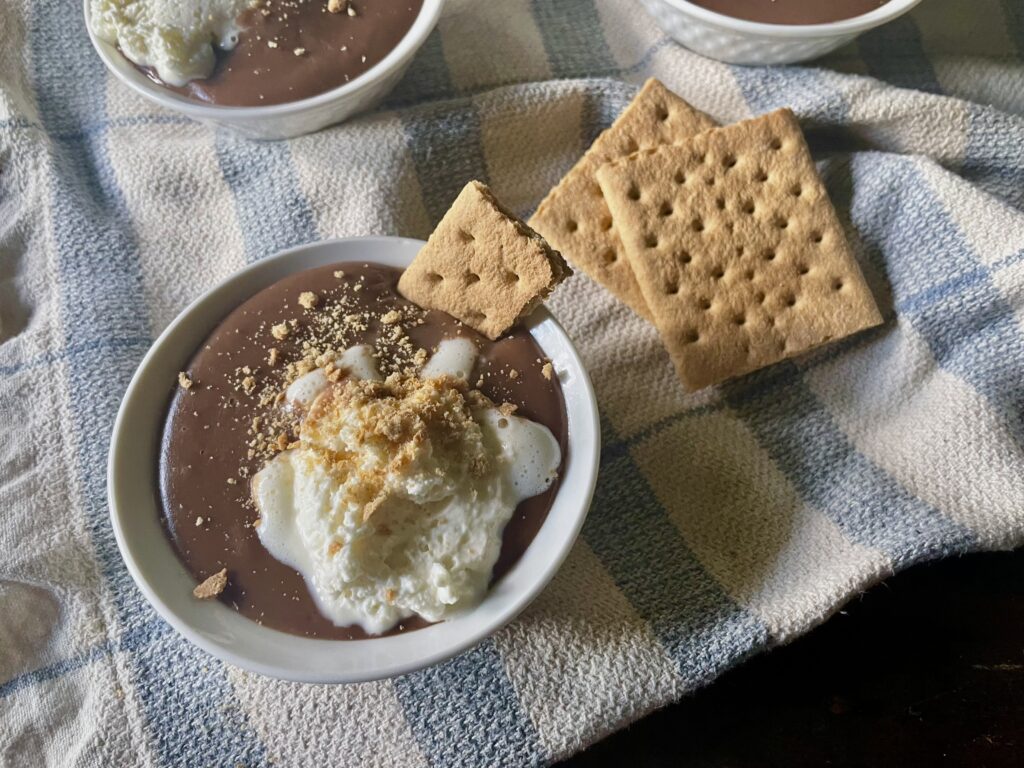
{"type": "Point", "coordinates": [300, 51]}
{"type": "Point", "coordinates": [339, 273]}
{"type": "Point", "coordinates": [546, 371]}
{"type": "Point", "coordinates": [184, 380]}
{"type": "Point", "coordinates": [232, 481]}
{"type": "Point", "coordinates": [199, 521]}
{"type": "Point", "coordinates": [308, 300]}
{"type": "Point", "coordinates": [272, 356]}
{"type": "Point", "coordinates": [248, 385]}
{"type": "Point", "coordinates": [336, 6]}
{"type": "Point", "coordinates": [280, 331]}
{"type": "Point", "coordinates": [513, 374]}
{"type": "Point", "coordinates": [212, 586]}
{"type": "Point", "coordinates": [507, 409]}
{"type": "Point", "coordinates": [389, 318]}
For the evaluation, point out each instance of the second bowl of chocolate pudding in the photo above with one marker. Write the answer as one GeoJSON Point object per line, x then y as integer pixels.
{"type": "Point", "coordinates": [197, 425]}
{"type": "Point", "coordinates": [758, 32]}
{"type": "Point", "coordinates": [294, 67]}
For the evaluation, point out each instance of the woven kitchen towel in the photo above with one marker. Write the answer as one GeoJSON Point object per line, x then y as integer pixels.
{"type": "Point", "coordinates": [724, 523]}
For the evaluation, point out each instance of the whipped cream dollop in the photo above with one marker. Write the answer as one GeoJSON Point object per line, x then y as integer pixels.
{"type": "Point", "coordinates": [394, 501]}
{"type": "Point", "coordinates": [174, 37]}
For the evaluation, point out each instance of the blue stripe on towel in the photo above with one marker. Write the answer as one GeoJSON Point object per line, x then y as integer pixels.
{"type": "Point", "coordinates": [796, 429]}
{"type": "Point", "coordinates": [574, 38]}
{"type": "Point", "coordinates": [968, 324]}
{"type": "Point", "coordinates": [630, 532]}
{"type": "Point", "coordinates": [464, 712]}
{"type": "Point", "coordinates": [806, 91]}
{"type": "Point", "coordinates": [427, 79]}
{"type": "Point", "coordinates": [273, 213]}
{"type": "Point", "coordinates": [445, 146]}
{"type": "Point", "coordinates": [894, 53]}
{"type": "Point", "coordinates": [830, 474]}
{"type": "Point", "coordinates": [994, 156]}
{"type": "Point", "coordinates": [102, 296]}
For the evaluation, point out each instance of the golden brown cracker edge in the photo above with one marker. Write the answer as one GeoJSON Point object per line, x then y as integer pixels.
{"type": "Point", "coordinates": [483, 265]}
{"type": "Point", "coordinates": [737, 248]}
{"type": "Point", "coordinates": [574, 217]}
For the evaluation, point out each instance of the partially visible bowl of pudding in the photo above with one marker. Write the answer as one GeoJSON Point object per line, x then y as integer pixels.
{"type": "Point", "coordinates": [267, 69]}
{"type": "Point", "coordinates": [756, 32]}
{"type": "Point", "coordinates": [204, 481]}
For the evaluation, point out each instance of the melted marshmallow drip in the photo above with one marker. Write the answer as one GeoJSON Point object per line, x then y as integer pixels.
{"type": "Point", "coordinates": [530, 453]}
{"type": "Point", "coordinates": [357, 361]}
{"type": "Point", "coordinates": [454, 357]}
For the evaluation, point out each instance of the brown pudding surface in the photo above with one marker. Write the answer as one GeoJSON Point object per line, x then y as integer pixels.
{"type": "Point", "coordinates": [205, 461]}
{"type": "Point", "coordinates": [299, 49]}
{"type": "Point", "coordinates": [791, 11]}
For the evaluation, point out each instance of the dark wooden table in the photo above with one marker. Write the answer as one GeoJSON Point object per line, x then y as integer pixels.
{"type": "Point", "coordinates": [924, 670]}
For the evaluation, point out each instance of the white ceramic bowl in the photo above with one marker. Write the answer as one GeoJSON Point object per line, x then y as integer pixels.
{"type": "Point", "coordinates": [219, 630]}
{"type": "Point", "coordinates": [737, 41]}
{"type": "Point", "coordinates": [281, 121]}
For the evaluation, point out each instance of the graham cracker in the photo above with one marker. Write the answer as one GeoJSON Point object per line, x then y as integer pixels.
{"type": "Point", "coordinates": [574, 217]}
{"type": "Point", "coordinates": [737, 248]}
{"type": "Point", "coordinates": [212, 586]}
{"type": "Point", "coordinates": [482, 265]}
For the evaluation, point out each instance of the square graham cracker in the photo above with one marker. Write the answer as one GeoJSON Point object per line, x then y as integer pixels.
{"type": "Point", "coordinates": [737, 248]}
{"type": "Point", "coordinates": [482, 265]}
{"type": "Point", "coordinates": [574, 217]}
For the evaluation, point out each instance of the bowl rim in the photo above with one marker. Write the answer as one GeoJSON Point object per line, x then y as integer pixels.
{"type": "Point", "coordinates": [209, 624]}
{"type": "Point", "coordinates": [851, 26]}
{"type": "Point", "coordinates": [124, 70]}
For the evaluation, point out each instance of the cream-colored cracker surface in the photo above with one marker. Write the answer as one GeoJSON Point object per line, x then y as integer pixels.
{"type": "Point", "coordinates": [482, 265]}
{"type": "Point", "coordinates": [574, 217]}
{"type": "Point", "coordinates": [737, 248]}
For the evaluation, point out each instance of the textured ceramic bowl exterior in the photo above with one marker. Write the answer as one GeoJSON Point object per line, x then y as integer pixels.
{"type": "Point", "coordinates": [219, 630]}
{"type": "Point", "coordinates": [736, 41]}
{"type": "Point", "coordinates": [282, 121]}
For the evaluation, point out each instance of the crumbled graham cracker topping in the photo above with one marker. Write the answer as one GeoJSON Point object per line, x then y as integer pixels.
{"type": "Point", "coordinates": [212, 586]}
{"type": "Point", "coordinates": [402, 417]}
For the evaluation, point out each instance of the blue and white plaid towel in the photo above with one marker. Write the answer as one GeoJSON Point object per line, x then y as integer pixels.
{"type": "Point", "coordinates": [724, 522]}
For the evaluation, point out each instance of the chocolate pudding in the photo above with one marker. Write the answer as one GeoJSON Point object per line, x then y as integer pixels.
{"type": "Point", "coordinates": [791, 11]}
{"type": "Point", "coordinates": [225, 421]}
{"type": "Point", "coordinates": [289, 50]}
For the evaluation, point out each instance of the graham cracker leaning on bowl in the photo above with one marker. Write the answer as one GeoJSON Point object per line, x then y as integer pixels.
{"type": "Point", "coordinates": [574, 217]}
{"type": "Point", "coordinates": [482, 265]}
{"type": "Point", "coordinates": [737, 248]}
